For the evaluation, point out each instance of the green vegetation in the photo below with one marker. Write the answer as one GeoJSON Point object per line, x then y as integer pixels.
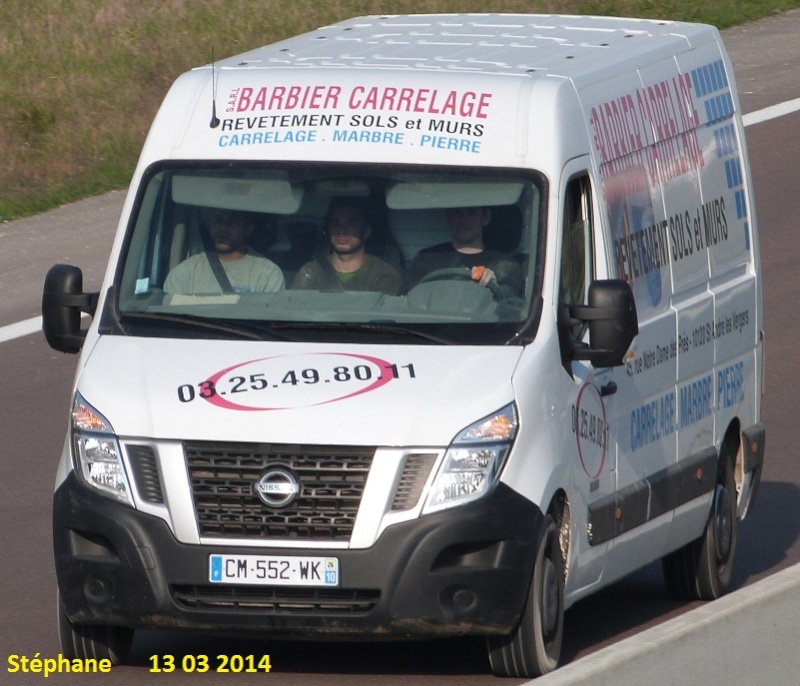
{"type": "Point", "coordinates": [80, 80]}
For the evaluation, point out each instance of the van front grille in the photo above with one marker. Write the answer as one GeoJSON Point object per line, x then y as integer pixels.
{"type": "Point", "coordinates": [276, 600]}
{"type": "Point", "coordinates": [331, 484]}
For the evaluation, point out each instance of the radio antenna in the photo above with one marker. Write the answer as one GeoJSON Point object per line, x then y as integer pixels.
{"type": "Point", "coordinates": [214, 119]}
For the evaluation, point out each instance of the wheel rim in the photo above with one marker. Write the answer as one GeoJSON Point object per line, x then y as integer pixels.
{"type": "Point", "coordinates": [723, 523]}
{"type": "Point", "coordinates": [550, 603]}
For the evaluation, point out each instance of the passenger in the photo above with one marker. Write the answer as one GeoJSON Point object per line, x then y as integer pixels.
{"type": "Point", "coordinates": [348, 266]}
{"type": "Point", "coordinates": [467, 250]}
{"type": "Point", "coordinates": [231, 267]}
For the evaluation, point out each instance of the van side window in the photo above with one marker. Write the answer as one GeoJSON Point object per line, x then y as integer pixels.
{"type": "Point", "coordinates": [577, 256]}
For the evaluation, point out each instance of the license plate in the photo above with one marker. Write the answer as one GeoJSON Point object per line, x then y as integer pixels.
{"type": "Point", "coordinates": [273, 570]}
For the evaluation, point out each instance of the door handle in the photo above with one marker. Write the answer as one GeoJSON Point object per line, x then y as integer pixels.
{"type": "Point", "coordinates": [608, 389]}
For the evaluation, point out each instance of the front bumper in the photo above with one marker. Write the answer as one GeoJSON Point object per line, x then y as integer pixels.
{"type": "Point", "coordinates": [457, 572]}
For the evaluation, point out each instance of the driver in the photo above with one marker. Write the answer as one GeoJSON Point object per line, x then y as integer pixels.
{"type": "Point", "coordinates": [467, 250]}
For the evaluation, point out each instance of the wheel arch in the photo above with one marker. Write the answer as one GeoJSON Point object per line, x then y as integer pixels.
{"type": "Point", "coordinates": [559, 510]}
{"type": "Point", "coordinates": [744, 447]}
{"type": "Point", "coordinates": [731, 448]}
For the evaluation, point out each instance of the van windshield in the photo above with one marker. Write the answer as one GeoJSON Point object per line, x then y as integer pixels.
{"type": "Point", "coordinates": [316, 252]}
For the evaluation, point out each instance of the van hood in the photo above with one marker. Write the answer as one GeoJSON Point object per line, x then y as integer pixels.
{"type": "Point", "coordinates": [399, 395]}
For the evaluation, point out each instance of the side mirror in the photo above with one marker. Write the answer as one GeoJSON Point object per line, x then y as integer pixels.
{"type": "Point", "coordinates": [612, 320]}
{"type": "Point", "coordinates": [63, 300]}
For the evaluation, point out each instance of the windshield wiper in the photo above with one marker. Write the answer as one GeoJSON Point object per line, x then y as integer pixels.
{"type": "Point", "coordinates": [247, 330]}
{"type": "Point", "coordinates": [374, 327]}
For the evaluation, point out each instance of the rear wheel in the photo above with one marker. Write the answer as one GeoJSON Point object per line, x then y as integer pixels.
{"type": "Point", "coordinates": [702, 569]}
{"type": "Point", "coordinates": [534, 647]}
{"type": "Point", "coordinates": [95, 641]}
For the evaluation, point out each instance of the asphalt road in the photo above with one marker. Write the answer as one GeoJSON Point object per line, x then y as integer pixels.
{"type": "Point", "coordinates": [35, 396]}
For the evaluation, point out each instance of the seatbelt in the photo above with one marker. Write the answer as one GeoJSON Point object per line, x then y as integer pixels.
{"type": "Point", "coordinates": [213, 259]}
{"type": "Point", "coordinates": [219, 271]}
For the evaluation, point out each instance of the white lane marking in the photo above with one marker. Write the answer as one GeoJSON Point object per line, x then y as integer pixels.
{"type": "Point", "coordinates": [772, 112]}
{"type": "Point", "coordinates": [20, 329]}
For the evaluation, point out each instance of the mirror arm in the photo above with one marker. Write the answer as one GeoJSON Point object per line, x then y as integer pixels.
{"type": "Point", "coordinates": [84, 302]}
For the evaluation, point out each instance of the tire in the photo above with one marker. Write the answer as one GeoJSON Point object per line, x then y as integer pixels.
{"type": "Point", "coordinates": [702, 569]}
{"type": "Point", "coordinates": [92, 641]}
{"type": "Point", "coordinates": [534, 647]}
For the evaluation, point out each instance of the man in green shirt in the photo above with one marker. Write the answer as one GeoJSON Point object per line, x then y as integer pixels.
{"type": "Point", "coordinates": [348, 266]}
{"type": "Point", "coordinates": [232, 267]}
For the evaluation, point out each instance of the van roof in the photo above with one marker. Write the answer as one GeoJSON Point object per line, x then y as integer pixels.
{"type": "Point", "coordinates": [511, 44]}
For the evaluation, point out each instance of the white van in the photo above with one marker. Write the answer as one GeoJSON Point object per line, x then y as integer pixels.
{"type": "Point", "coordinates": [469, 451]}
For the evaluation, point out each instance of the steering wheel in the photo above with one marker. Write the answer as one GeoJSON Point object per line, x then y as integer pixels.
{"type": "Point", "coordinates": [461, 274]}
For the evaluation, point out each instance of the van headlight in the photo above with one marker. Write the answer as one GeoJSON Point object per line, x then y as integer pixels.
{"type": "Point", "coordinates": [97, 453]}
{"type": "Point", "coordinates": [473, 461]}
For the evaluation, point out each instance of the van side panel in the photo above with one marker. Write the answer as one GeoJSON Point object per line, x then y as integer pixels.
{"type": "Point", "coordinates": [674, 191]}
{"type": "Point", "coordinates": [628, 120]}
{"type": "Point", "coordinates": [715, 397]}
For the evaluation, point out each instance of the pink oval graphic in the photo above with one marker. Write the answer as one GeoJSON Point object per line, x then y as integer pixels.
{"type": "Point", "coordinates": [592, 443]}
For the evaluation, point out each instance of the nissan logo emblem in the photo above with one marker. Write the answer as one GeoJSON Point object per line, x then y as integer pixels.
{"type": "Point", "coordinates": [277, 488]}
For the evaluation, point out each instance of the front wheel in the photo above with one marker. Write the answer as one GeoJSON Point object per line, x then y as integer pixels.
{"type": "Point", "coordinates": [92, 641]}
{"type": "Point", "coordinates": [534, 647]}
{"type": "Point", "coordinates": [702, 569]}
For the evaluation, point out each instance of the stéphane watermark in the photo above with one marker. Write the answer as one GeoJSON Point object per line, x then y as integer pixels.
{"type": "Point", "coordinates": [159, 664]}
{"type": "Point", "coordinates": [22, 664]}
